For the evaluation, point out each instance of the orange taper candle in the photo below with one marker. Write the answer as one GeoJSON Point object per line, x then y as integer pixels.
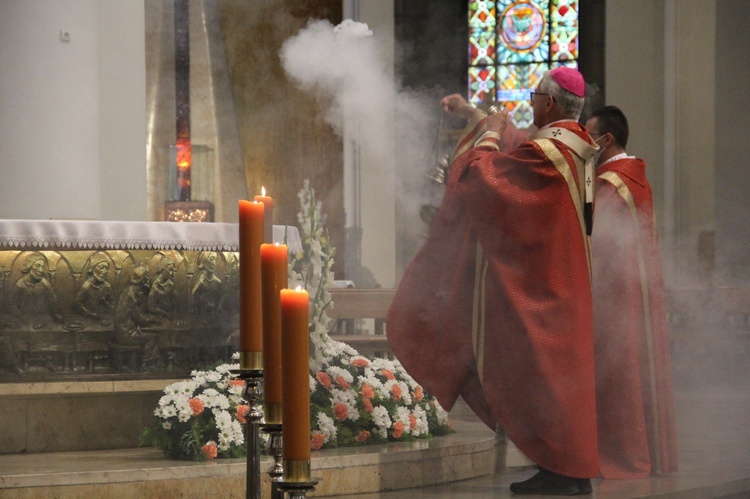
{"type": "Point", "coordinates": [273, 266]}
{"type": "Point", "coordinates": [295, 358]}
{"type": "Point", "coordinates": [251, 300]}
{"type": "Point", "coordinates": [268, 207]}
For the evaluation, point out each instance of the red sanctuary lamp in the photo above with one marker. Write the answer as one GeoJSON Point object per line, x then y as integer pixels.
{"type": "Point", "coordinates": [182, 158]}
{"type": "Point", "coordinates": [181, 207]}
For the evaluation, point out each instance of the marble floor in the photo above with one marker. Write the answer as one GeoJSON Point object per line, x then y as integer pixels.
{"type": "Point", "coordinates": [713, 435]}
{"type": "Point", "coordinates": [713, 429]}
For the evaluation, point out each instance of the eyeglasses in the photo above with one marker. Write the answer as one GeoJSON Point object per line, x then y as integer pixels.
{"type": "Point", "coordinates": [534, 94]}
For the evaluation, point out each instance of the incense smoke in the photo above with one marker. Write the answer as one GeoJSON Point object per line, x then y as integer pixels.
{"type": "Point", "coordinates": [344, 64]}
{"type": "Point", "coordinates": [345, 67]}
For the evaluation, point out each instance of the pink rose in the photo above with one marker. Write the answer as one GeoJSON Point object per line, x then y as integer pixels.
{"type": "Point", "coordinates": [340, 411]}
{"type": "Point", "coordinates": [360, 362]}
{"type": "Point", "coordinates": [368, 405]}
{"type": "Point", "coordinates": [362, 436]}
{"type": "Point", "coordinates": [210, 450]}
{"type": "Point", "coordinates": [418, 394]}
{"type": "Point", "coordinates": [196, 405]}
{"type": "Point", "coordinates": [398, 429]}
{"type": "Point", "coordinates": [317, 441]}
{"type": "Point", "coordinates": [342, 382]}
{"type": "Point", "coordinates": [368, 392]}
{"type": "Point", "coordinates": [241, 411]}
{"type": "Point", "coordinates": [396, 392]}
{"type": "Point", "coordinates": [324, 379]}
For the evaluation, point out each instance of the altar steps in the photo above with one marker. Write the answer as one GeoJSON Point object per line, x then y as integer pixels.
{"type": "Point", "coordinates": [468, 453]}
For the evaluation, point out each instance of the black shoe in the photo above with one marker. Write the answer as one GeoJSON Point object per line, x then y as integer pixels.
{"type": "Point", "coordinates": [584, 486]}
{"type": "Point", "coordinates": [547, 483]}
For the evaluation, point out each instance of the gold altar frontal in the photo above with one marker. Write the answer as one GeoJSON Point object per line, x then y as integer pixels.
{"type": "Point", "coordinates": [81, 299]}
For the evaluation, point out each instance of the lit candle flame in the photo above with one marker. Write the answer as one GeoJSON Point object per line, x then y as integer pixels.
{"type": "Point", "coordinates": [183, 158]}
{"type": "Point", "coordinates": [298, 289]}
{"type": "Point", "coordinates": [262, 191]}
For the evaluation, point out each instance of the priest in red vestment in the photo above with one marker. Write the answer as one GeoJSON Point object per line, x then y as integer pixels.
{"type": "Point", "coordinates": [633, 372]}
{"type": "Point", "coordinates": [496, 306]}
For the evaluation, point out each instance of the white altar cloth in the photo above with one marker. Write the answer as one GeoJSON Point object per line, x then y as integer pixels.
{"type": "Point", "coordinates": [79, 234]}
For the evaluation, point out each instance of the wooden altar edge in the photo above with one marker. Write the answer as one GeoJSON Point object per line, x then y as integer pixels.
{"type": "Point", "coordinates": [144, 472]}
{"type": "Point", "coordinates": [365, 342]}
{"type": "Point", "coordinates": [352, 304]}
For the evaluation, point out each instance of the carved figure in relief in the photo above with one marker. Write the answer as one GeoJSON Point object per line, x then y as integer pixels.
{"type": "Point", "coordinates": [7, 351]}
{"type": "Point", "coordinates": [94, 299]}
{"type": "Point", "coordinates": [231, 307]}
{"type": "Point", "coordinates": [33, 295]}
{"type": "Point", "coordinates": [162, 296]}
{"type": "Point", "coordinates": [206, 293]}
{"type": "Point", "coordinates": [131, 314]}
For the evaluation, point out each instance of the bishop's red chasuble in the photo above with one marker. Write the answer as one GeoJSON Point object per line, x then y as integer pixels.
{"type": "Point", "coordinates": [633, 371]}
{"type": "Point", "coordinates": [496, 306]}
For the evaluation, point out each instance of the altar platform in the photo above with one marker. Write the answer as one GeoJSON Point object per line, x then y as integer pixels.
{"type": "Point", "coordinates": [713, 423]}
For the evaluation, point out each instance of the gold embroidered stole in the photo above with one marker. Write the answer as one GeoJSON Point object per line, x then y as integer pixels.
{"type": "Point", "coordinates": [561, 164]}
{"type": "Point", "coordinates": [478, 310]}
{"type": "Point", "coordinates": [585, 151]}
{"type": "Point", "coordinates": [471, 132]}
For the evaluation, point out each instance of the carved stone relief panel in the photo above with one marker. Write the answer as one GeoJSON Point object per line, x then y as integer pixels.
{"type": "Point", "coordinates": [94, 312]}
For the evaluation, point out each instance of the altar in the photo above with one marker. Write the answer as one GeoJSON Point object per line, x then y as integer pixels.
{"type": "Point", "coordinates": [63, 282]}
{"type": "Point", "coordinates": [96, 318]}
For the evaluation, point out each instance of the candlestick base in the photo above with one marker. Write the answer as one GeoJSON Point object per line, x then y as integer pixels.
{"type": "Point", "coordinates": [251, 361]}
{"type": "Point", "coordinates": [253, 393]}
{"type": "Point", "coordinates": [296, 470]}
{"type": "Point", "coordinates": [276, 472]}
{"type": "Point", "coordinates": [274, 448]}
{"type": "Point", "coordinates": [298, 490]}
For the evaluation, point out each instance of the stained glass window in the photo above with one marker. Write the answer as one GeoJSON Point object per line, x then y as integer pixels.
{"type": "Point", "coordinates": [512, 43]}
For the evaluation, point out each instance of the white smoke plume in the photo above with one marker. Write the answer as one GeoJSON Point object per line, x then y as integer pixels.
{"type": "Point", "coordinates": [346, 69]}
{"type": "Point", "coordinates": [343, 65]}
{"type": "Point", "coordinates": [337, 62]}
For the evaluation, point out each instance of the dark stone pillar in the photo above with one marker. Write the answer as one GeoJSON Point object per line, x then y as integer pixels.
{"type": "Point", "coordinates": [182, 96]}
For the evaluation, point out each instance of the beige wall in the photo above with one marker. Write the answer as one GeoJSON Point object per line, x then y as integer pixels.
{"type": "Point", "coordinates": [122, 110]}
{"type": "Point", "coordinates": [732, 175]}
{"type": "Point", "coordinates": [72, 112]}
{"type": "Point", "coordinates": [659, 67]}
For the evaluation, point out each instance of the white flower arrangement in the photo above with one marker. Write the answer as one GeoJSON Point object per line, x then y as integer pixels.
{"type": "Point", "coordinates": [201, 418]}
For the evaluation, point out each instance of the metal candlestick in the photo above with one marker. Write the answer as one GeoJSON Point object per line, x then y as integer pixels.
{"type": "Point", "coordinates": [253, 393]}
{"type": "Point", "coordinates": [275, 450]}
{"type": "Point", "coordinates": [297, 490]}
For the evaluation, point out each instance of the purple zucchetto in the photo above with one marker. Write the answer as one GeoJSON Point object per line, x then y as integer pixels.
{"type": "Point", "coordinates": [569, 79]}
